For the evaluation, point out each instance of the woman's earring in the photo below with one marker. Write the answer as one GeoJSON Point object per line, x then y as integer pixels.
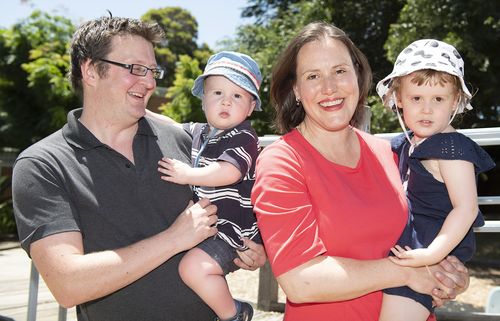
{"type": "Point", "coordinates": [297, 102]}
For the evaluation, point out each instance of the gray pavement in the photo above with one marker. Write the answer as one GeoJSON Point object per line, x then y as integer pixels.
{"type": "Point", "coordinates": [14, 287]}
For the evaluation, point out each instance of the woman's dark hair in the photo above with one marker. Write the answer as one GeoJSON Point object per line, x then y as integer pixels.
{"type": "Point", "coordinates": [93, 39]}
{"type": "Point", "coordinates": [288, 114]}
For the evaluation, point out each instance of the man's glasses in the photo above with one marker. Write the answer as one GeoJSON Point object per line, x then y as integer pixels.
{"type": "Point", "coordinates": [139, 70]}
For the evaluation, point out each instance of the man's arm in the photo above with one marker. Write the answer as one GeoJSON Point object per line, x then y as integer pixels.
{"type": "Point", "coordinates": [74, 277]}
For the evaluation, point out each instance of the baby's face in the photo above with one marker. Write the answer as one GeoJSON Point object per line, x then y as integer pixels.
{"type": "Point", "coordinates": [226, 104]}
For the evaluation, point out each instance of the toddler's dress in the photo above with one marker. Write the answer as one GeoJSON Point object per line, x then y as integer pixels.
{"type": "Point", "coordinates": [428, 200]}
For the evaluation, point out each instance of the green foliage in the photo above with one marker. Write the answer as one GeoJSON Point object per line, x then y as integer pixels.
{"type": "Point", "coordinates": [265, 10]}
{"type": "Point", "coordinates": [182, 106]}
{"type": "Point", "coordinates": [35, 95]}
{"type": "Point", "coordinates": [278, 22]}
{"type": "Point", "coordinates": [181, 32]}
{"type": "Point", "coordinates": [382, 119]}
{"type": "Point", "coordinates": [7, 222]}
{"type": "Point", "coordinates": [381, 29]}
{"type": "Point", "coordinates": [34, 92]}
{"type": "Point", "coordinates": [265, 41]}
{"type": "Point", "coordinates": [473, 27]}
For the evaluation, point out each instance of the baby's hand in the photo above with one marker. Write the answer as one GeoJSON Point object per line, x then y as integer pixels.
{"type": "Point", "coordinates": [409, 257]}
{"type": "Point", "coordinates": [175, 171]}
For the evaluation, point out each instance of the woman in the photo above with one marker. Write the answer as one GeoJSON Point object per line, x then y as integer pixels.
{"type": "Point", "coordinates": [328, 197]}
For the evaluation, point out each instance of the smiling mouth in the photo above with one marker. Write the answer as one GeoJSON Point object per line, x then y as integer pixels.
{"type": "Point", "coordinates": [331, 103]}
{"type": "Point", "coordinates": [134, 94]}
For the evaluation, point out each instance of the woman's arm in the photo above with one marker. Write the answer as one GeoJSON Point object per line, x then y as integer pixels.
{"type": "Point", "coordinates": [460, 180]}
{"type": "Point", "coordinates": [329, 279]}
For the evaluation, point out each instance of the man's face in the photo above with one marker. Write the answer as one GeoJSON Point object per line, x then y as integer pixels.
{"type": "Point", "coordinates": [120, 94]}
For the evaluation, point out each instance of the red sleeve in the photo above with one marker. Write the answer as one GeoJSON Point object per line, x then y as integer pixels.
{"type": "Point", "coordinates": [285, 216]}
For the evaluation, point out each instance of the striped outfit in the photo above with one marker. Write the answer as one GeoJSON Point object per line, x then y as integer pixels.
{"type": "Point", "coordinates": [238, 146]}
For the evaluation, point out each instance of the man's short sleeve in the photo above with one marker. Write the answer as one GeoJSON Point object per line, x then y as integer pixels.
{"type": "Point", "coordinates": [41, 204]}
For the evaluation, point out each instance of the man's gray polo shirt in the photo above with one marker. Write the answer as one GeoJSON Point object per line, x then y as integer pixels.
{"type": "Point", "coordinates": [70, 181]}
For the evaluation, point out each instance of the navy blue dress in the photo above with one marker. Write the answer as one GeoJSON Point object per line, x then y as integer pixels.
{"type": "Point", "coordinates": [428, 199]}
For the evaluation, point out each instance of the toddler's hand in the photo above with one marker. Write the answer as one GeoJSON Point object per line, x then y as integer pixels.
{"type": "Point", "coordinates": [408, 257]}
{"type": "Point", "coordinates": [175, 171]}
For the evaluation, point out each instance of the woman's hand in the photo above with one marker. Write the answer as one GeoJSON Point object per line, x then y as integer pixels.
{"type": "Point", "coordinates": [253, 258]}
{"type": "Point", "coordinates": [454, 279]}
{"type": "Point", "coordinates": [443, 281]}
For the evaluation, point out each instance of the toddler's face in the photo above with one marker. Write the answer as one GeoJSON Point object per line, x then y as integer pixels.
{"type": "Point", "coordinates": [226, 104]}
{"type": "Point", "coordinates": [427, 108]}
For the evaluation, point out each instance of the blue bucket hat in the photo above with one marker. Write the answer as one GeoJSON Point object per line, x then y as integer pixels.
{"type": "Point", "coordinates": [239, 68]}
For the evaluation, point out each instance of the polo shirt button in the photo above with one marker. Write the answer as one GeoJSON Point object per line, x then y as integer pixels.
{"type": "Point", "coordinates": [127, 165]}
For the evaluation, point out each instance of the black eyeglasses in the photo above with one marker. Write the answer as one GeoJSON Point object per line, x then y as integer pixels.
{"type": "Point", "coordinates": [139, 70]}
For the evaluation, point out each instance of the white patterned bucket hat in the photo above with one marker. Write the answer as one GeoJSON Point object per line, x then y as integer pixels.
{"type": "Point", "coordinates": [426, 54]}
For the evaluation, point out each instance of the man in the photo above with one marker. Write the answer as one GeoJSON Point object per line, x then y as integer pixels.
{"type": "Point", "coordinates": [104, 231]}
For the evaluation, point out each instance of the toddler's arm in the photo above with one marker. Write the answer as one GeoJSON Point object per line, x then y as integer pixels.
{"type": "Point", "coordinates": [215, 174]}
{"type": "Point", "coordinates": [460, 180]}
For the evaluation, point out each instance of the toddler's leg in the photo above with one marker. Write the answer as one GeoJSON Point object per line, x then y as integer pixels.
{"type": "Point", "coordinates": [400, 308]}
{"type": "Point", "coordinates": [205, 277]}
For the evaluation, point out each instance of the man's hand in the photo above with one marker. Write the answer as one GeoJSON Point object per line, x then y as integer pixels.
{"type": "Point", "coordinates": [253, 258]}
{"type": "Point", "coordinates": [175, 171]}
{"type": "Point", "coordinates": [195, 224]}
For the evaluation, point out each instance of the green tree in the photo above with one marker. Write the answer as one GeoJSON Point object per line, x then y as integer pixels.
{"type": "Point", "coordinates": [382, 119]}
{"type": "Point", "coordinates": [34, 92]}
{"type": "Point", "coordinates": [473, 27]}
{"type": "Point", "coordinates": [265, 40]}
{"type": "Point", "coordinates": [365, 21]}
{"type": "Point", "coordinates": [7, 222]}
{"type": "Point", "coordinates": [265, 10]}
{"type": "Point", "coordinates": [181, 33]}
{"type": "Point", "coordinates": [182, 106]}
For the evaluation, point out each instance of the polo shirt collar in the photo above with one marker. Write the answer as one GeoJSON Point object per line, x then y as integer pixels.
{"type": "Point", "coordinates": [76, 134]}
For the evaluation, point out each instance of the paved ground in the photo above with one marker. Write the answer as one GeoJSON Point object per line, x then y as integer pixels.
{"type": "Point", "coordinates": [15, 269]}
{"type": "Point", "coordinates": [14, 286]}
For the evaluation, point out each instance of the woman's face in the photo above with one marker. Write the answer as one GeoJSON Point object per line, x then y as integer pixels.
{"type": "Point", "coordinates": [326, 84]}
